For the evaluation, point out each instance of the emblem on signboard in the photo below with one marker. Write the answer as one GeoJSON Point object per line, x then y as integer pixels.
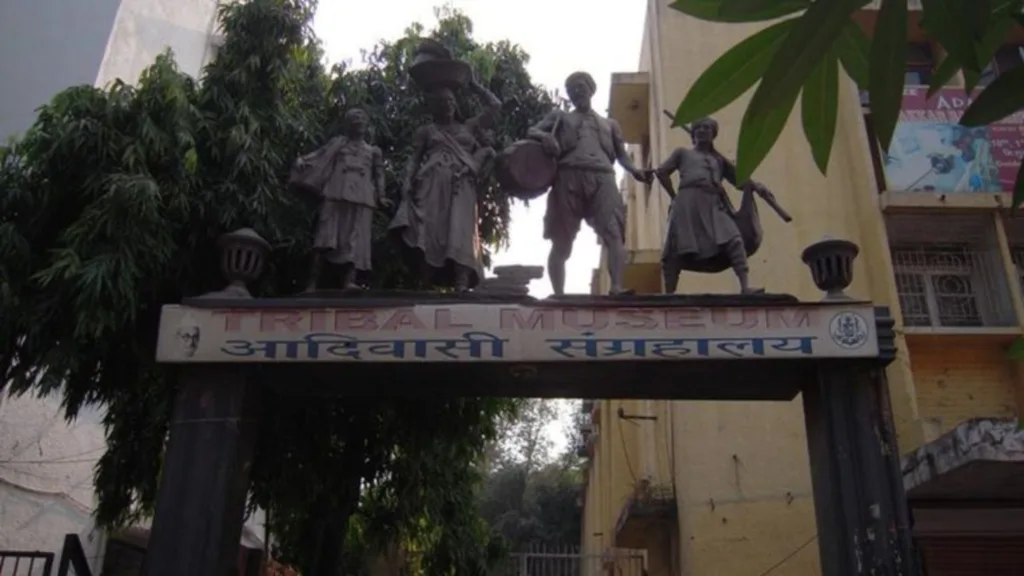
{"type": "Point", "coordinates": [187, 336]}
{"type": "Point", "coordinates": [848, 330]}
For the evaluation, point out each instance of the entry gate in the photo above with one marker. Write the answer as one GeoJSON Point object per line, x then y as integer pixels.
{"type": "Point", "coordinates": [831, 353]}
{"type": "Point", "coordinates": [569, 561]}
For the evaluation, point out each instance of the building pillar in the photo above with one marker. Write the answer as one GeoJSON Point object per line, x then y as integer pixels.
{"type": "Point", "coordinates": [860, 505]}
{"type": "Point", "coordinates": [205, 474]}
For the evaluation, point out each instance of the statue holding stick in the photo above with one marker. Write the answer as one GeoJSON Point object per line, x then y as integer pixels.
{"type": "Point", "coordinates": [706, 233]}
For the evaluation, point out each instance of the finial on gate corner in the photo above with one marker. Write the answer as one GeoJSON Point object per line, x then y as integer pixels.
{"type": "Point", "coordinates": [831, 264]}
{"type": "Point", "coordinates": [243, 257]}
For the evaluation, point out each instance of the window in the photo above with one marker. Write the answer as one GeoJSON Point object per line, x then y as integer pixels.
{"type": "Point", "coordinates": [955, 282]}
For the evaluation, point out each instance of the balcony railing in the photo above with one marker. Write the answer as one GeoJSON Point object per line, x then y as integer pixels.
{"type": "Point", "coordinates": [957, 282]}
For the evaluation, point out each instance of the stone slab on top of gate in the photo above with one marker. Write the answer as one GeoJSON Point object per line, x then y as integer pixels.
{"type": "Point", "coordinates": [499, 323]}
{"type": "Point", "coordinates": [393, 328]}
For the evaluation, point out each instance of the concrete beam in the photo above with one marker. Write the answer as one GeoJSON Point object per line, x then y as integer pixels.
{"type": "Point", "coordinates": [629, 105]}
{"type": "Point", "coordinates": [979, 459]}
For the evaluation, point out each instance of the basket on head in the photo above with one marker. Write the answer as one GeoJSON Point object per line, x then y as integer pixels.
{"type": "Point", "coordinates": [433, 66]}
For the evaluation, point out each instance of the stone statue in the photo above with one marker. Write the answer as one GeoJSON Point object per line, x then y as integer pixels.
{"type": "Point", "coordinates": [347, 174]}
{"type": "Point", "coordinates": [584, 186]}
{"type": "Point", "coordinates": [436, 221]}
{"type": "Point", "coordinates": [705, 232]}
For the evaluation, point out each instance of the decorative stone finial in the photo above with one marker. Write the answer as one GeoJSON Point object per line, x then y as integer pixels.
{"type": "Point", "coordinates": [831, 264]}
{"type": "Point", "coordinates": [243, 256]}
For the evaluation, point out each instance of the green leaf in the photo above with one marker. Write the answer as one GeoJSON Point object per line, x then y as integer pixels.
{"type": "Point", "coordinates": [988, 47]}
{"type": "Point", "coordinates": [758, 133]}
{"type": "Point", "coordinates": [1018, 188]}
{"type": "Point", "coordinates": [888, 63]}
{"type": "Point", "coordinates": [953, 24]}
{"type": "Point", "coordinates": [812, 36]}
{"type": "Point", "coordinates": [854, 48]}
{"type": "Point", "coordinates": [1004, 96]}
{"type": "Point", "coordinates": [711, 10]}
{"type": "Point", "coordinates": [1016, 351]}
{"type": "Point", "coordinates": [820, 106]}
{"type": "Point", "coordinates": [943, 74]}
{"type": "Point", "coordinates": [732, 74]}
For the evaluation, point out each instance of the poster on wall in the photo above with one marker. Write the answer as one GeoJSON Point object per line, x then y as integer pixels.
{"type": "Point", "coordinates": [932, 152]}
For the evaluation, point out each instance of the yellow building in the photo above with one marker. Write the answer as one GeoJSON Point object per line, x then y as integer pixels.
{"type": "Point", "coordinates": [723, 488]}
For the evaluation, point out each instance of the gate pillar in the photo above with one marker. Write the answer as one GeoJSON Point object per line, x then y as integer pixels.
{"type": "Point", "coordinates": [204, 478]}
{"type": "Point", "coordinates": [861, 510]}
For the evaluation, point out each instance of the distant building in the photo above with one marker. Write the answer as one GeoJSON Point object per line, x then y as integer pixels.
{"type": "Point", "coordinates": [724, 487]}
{"type": "Point", "coordinates": [48, 45]}
{"type": "Point", "coordinates": [46, 464]}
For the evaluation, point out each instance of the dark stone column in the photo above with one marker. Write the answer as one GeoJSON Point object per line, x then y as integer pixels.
{"type": "Point", "coordinates": [205, 475]}
{"type": "Point", "coordinates": [861, 509]}
{"type": "Point", "coordinates": [859, 501]}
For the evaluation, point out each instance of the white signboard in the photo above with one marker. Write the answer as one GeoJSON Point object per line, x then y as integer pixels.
{"type": "Point", "coordinates": [514, 333]}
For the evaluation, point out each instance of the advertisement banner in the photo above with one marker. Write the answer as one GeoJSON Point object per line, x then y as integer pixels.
{"type": "Point", "coordinates": [514, 333]}
{"type": "Point", "coordinates": [931, 152]}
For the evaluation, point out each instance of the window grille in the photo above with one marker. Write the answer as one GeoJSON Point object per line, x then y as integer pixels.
{"type": "Point", "coordinates": [949, 272]}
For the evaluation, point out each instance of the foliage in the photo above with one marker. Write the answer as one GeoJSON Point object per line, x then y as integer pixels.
{"type": "Point", "coordinates": [110, 206]}
{"type": "Point", "coordinates": [803, 54]}
{"type": "Point", "coordinates": [531, 496]}
{"type": "Point", "coordinates": [522, 437]}
{"type": "Point", "coordinates": [534, 507]}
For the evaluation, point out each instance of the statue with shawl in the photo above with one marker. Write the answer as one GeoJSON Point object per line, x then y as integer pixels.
{"type": "Point", "coordinates": [705, 232]}
{"type": "Point", "coordinates": [346, 177]}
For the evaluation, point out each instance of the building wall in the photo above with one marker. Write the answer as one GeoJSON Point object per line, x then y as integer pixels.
{"type": "Point", "coordinates": [739, 470]}
{"type": "Point", "coordinates": [49, 45]}
{"type": "Point", "coordinates": [46, 46]}
{"type": "Point", "coordinates": [960, 378]}
{"type": "Point", "coordinates": [46, 472]}
{"type": "Point", "coordinates": [145, 28]}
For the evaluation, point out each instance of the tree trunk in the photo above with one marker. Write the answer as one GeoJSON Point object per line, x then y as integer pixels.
{"type": "Point", "coordinates": [334, 515]}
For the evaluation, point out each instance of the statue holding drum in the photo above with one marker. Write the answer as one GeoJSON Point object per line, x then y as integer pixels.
{"type": "Point", "coordinates": [574, 153]}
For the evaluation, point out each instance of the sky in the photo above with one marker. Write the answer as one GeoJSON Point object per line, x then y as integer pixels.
{"type": "Point", "coordinates": [561, 36]}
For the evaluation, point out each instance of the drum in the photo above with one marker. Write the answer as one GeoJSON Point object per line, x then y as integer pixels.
{"type": "Point", "coordinates": [524, 170]}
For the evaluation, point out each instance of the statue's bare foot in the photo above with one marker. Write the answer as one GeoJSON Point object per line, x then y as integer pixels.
{"type": "Point", "coordinates": [753, 291]}
{"type": "Point", "coordinates": [622, 292]}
